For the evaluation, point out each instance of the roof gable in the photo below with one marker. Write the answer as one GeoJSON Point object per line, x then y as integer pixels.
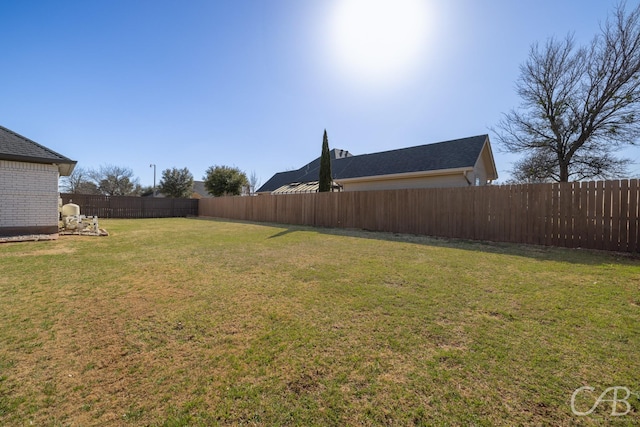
{"type": "Point", "coordinates": [16, 147]}
{"type": "Point", "coordinates": [453, 154]}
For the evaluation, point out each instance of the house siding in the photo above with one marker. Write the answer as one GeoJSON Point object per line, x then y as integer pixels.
{"type": "Point", "coordinates": [28, 198]}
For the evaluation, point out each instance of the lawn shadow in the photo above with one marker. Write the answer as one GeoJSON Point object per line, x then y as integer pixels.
{"type": "Point", "coordinates": [280, 234]}
{"type": "Point", "coordinates": [543, 253]}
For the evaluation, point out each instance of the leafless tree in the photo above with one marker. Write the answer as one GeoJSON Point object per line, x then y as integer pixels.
{"type": "Point", "coordinates": [579, 104]}
{"type": "Point", "coordinates": [79, 182]}
{"type": "Point", "coordinates": [254, 182]}
{"type": "Point", "coordinates": [115, 181]}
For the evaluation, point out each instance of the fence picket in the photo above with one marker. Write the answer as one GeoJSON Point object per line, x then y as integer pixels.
{"type": "Point", "coordinates": [589, 241]}
{"type": "Point", "coordinates": [623, 218]}
{"type": "Point", "coordinates": [634, 237]}
{"type": "Point", "coordinates": [615, 216]}
{"type": "Point", "coordinates": [608, 193]}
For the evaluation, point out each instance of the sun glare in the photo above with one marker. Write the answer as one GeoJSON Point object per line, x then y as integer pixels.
{"type": "Point", "coordinates": [378, 42]}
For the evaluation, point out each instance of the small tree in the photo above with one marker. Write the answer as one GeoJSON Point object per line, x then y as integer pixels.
{"type": "Point", "coordinates": [224, 181]}
{"type": "Point", "coordinates": [580, 105]}
{"type": "Point", "coordinates": [176, 183]}
{"type": "Point", "coordinates": [325, 179]}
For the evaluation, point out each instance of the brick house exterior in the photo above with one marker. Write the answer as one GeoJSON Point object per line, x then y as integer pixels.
{"type": "Point", "coordinates": [29, 175]}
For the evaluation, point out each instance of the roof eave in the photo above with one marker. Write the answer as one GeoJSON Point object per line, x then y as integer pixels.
{"type": "Point", "coordinates": [406, 175]}
{"type": "Point", "coordinates": [65, 167]}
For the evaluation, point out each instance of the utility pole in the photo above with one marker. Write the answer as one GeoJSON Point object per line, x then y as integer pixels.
{"type": "Point", "coordinates": [153, 165]}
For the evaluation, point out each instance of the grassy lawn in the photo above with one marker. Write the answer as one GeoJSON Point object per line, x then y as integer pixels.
{"type": "Point", "coordinates": [195, 322]}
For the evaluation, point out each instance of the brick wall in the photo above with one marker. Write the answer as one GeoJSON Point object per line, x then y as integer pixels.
{"type": "Point", "coordinates": [28, 198]}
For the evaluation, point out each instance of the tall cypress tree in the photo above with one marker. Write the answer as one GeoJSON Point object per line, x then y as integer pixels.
{"type": "Point", "coordinates": [325, 179]}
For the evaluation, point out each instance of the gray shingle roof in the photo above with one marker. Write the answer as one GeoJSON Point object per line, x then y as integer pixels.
{"type": "Point", "coordinates": [457, 153]}
{"type": "Point", "coordinates": [16, 147]}
{"type": "Point", "coordinates": [198, 187]}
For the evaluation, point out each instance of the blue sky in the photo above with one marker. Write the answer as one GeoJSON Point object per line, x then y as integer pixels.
{"type": "Point", "coordinates": [253, 84]}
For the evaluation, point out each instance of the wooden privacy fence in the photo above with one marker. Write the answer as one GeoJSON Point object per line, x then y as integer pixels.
{"type": "Point", "coordinates": [595, 215]}
{"type": "Point", "coordinates": [132, 207]}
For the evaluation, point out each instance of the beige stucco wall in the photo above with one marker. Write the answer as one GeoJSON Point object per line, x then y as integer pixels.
{"type": "Point", "coordinates": [479, 172]}
{"type": "Point", "coordinates": [438, 181]}
{"type": "Point", "coordinates": [480, 168]}
{"type": "Point", "coordinates": [451, 178]}
{"type": "Point", "coordinates": [28, 197]}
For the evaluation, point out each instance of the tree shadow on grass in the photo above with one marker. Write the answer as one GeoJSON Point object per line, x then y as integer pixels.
{"type": "Point", "coordinates": [280, 234]}
{"type": "Point", "coordinates": [543, 253]}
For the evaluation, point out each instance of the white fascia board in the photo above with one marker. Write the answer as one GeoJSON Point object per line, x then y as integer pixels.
{"type": "Point", "coordinates": [406, 175]}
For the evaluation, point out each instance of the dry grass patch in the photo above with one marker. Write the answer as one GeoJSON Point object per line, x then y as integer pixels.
{"type": "Point", "coordinates": [193, 322]}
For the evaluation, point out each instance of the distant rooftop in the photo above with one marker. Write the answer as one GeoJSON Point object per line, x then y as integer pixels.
{"type": "Point", "coordinates": [453, 154]}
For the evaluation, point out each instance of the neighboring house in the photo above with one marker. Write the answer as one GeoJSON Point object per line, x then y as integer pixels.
{"type": "Point", "coordinates": [456, 163]}
{"type": "Point", "coordinates": [199, 191]}
{"type": "Point", "coordinates": [29, 175]}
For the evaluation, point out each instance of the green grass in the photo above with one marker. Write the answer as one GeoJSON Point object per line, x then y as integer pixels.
{"type": "Point", "coordinates": [179, 322]}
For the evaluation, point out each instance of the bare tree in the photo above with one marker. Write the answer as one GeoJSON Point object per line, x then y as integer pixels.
{"type": "Point", "coordinates": [579, 105]}
{"type": "Point", "coordinates": [115, 181]}
{"type": "Point", "coordinates": [254, 182]}
{"type": "Point", "coordinates": [79, 182]}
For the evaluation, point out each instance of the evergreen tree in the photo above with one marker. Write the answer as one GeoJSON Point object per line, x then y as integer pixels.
{"type": "Point", "coordinates": [325, 179]}
{"type": "Point", "coordinates": [224, 181]}
{"type": "Point", "coordinates": [176, 183]}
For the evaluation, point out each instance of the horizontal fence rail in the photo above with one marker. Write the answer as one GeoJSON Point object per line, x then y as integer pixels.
{"type": "Point", "coordinates": [595, 215]}
{"type": "Point", "coordinates": [132, 207]}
